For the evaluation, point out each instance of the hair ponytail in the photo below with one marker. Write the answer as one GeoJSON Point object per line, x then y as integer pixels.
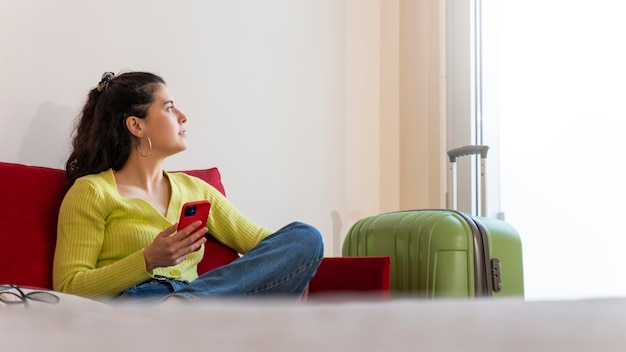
{"type": "Point", "coordinates": [101, 140]}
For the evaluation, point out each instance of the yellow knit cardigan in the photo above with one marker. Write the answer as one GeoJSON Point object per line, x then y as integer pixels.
{"type": "Point", "coordinates": [101, 235]}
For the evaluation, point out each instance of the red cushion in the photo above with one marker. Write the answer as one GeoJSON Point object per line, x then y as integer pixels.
{"type": "Point", "coordinates": [30, 197]}
{"type": "Point", "coordinates": [356, 275]}
{"type": "Point", "coordinates": [211, 176]}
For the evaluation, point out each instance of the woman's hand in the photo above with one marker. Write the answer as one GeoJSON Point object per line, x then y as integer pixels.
{"type": "Point", "coordinates": [171, 247]}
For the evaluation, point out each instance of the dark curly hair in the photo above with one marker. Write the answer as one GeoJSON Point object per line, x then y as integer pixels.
{"type": "Point", "coordinates": [101, 139]}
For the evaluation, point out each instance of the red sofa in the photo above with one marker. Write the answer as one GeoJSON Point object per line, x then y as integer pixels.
{"type": "Point", "coordinates": [30, 197]}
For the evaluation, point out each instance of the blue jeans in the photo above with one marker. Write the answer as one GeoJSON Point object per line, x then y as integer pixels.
{"type": "Point", "coordinates": [280, 265]}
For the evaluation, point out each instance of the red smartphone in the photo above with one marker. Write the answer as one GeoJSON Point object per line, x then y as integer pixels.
{"type": "Point", "coordinates": [193, 211]}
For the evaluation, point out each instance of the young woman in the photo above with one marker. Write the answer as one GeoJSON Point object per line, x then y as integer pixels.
{"type": "Point", "coordinates": [117, 225]}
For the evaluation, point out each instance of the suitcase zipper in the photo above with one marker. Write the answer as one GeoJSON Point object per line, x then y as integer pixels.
{"type": "Point", "coordinates": [493, 277]}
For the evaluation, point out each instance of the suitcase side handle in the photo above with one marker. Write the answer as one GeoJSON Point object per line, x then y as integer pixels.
{"type": "Point", "coordinates": [468, 150]}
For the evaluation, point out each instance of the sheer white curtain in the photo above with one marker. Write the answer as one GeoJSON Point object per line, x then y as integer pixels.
{"type": "Point", "coordinates": [562, 135]}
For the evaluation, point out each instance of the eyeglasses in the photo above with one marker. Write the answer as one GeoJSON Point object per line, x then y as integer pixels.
{"type": "Point", "coordinates": [13, 294]}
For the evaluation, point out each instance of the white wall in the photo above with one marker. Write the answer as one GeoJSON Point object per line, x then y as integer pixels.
{"type": "Point", "coordinates": [263, 85]}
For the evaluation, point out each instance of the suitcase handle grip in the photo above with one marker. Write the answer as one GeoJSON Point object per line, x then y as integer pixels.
{"type": "Point", "coordinates": [468, 150]}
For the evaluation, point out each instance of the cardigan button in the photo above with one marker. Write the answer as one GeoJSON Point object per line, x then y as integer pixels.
{"type": "Point", "coordinates": [175, 273]}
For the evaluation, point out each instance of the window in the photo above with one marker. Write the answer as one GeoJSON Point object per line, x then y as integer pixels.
{"type": "Point", "coordinates": [551, 78]}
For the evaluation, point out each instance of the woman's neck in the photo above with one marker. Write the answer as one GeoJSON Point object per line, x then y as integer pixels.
{"type": "Point", "coordinates": [143, 182]}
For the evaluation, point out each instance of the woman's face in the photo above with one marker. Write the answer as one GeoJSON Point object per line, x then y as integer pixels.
{"type": "Point", "coordinates": [164, 124]}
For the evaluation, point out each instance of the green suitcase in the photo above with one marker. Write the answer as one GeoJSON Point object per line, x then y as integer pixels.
{"type": "Point", "coordinates": [442, 253]}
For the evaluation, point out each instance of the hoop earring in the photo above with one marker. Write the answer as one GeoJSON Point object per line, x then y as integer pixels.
{"type": "Point", "coordinates": [139, 145]}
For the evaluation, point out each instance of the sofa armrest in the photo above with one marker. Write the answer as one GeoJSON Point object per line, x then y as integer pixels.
{"type": "Point", "coordinates": [352, 275]}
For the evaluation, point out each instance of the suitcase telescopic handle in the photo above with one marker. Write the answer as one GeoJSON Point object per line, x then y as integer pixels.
{"type": "Point", "coordinates": [463, 151]}
{"type": "Point", "coordinates": [468, 150]}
